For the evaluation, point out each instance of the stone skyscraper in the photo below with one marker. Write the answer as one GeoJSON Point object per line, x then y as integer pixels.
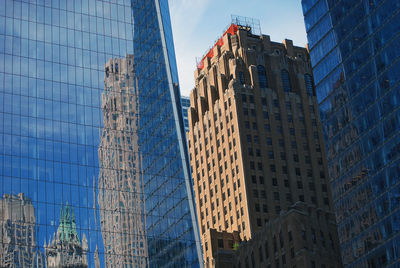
{"type": "Point", "coordinates": [120, 181]}
{"type": "Point", "coordinates": [257, 156]}
{"type": "Point", "coordinates": [354, 49]}
{"type": "Point", "coordinates": [18, 245]}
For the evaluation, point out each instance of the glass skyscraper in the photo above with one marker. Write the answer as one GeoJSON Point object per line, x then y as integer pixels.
{"type": "Point", "coordinates": [93, 162]}
{"type": "Point", "coordinates": [185, 109]}
{"type": "Point", "coordinates": [354, 47]}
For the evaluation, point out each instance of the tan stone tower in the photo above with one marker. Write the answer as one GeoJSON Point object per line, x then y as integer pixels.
{"type": "Point", "coordinates": [18, 246]}
{"type": "Point", "coordinates": [120, 197]}
{"type": "Point", "coordinates": [256, 150]}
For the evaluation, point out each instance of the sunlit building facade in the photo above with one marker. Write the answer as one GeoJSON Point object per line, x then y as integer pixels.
{"type": "Point", "coordinates": [255, 145]}
{"type": "Point", "coordinates": [69, 135]}
{"type": "Point", "coordinates": [354, 49]}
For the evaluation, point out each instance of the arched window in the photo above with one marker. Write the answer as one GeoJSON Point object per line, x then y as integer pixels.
{"type": "Point", "coordinates": [262, 77]}
{"type": "Point", "coordinates": [286, 81]}
{"type": "Point", "coordinates": [309, 84]}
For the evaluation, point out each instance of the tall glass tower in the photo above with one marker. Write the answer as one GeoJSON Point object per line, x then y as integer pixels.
{"type": "Point", "coordinates": [354, 48]}
{"type": "Point", "coordinates": [93, 161]}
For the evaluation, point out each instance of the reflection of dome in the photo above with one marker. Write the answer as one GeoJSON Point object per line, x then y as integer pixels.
{"type": "Point", "coordinates": [66, 249]}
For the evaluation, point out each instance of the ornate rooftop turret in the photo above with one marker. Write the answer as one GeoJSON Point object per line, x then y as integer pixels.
{"type": "Point", "coordinates": [58, 251]}
{"type": "Point", "coordinates": [66, 231]}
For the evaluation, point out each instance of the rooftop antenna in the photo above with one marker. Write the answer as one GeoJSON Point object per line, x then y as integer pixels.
{"type": "Point", "coordinates": [250, 24]}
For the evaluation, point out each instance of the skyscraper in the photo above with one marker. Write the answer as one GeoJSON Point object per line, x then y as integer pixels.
{"type": "Point", "coordinates": [354, 48]}
{"type": "Point", "coordinates": [185, 108]}
{"type": "Point", "coordinates": [18, 244]}
{"type": "Point", "coordinates": [124, 228]}
{"type": "Point", "coordinates": [64, 131]}
{"type": "Point", "coordinates": [255, 148]}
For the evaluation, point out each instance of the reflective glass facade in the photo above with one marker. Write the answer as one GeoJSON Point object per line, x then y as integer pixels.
{"type": "Point", "coordinates": [354, 48]}
{"type": "Point", "coordinates": [93, 161]}
{"type": "Point", "coordinates": [185, 109]}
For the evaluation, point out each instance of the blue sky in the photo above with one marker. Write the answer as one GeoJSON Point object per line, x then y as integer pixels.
{"type": "Point", "coordinates": [196, 24]}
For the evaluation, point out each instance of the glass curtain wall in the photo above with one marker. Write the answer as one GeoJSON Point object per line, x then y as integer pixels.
{"type": "Point", "coordinates": [354, 48]}
{"type": "Point", "coordinates": [93, 162]}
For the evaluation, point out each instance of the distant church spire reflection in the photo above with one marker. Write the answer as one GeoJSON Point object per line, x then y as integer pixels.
{"type": "Point", "coordinates": [66, 249]}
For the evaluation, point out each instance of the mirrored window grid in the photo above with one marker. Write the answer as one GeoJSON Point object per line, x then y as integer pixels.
{"type": "Point", "coordinates": [93, 165]}
{"type": "Point", "coordinates": [354, 48]}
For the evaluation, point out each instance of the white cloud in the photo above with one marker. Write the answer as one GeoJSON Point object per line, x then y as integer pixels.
{"type": "Point", "coordinates": [186, 18]}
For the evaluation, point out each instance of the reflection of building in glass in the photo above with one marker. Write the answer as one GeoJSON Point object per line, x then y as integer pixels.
{"type": "Point", "coordinates": [120, 195]}
{"type": "Point", "coordinates": [354, 49]}
{"type": "Point", "coordinates": [51, 117]}
{"type": "Point", "coordinates": [66, 249]}
{"type": "Point", "coordinates": [18, 233]}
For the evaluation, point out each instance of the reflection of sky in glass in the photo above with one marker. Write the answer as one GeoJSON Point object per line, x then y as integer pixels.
{"type": "Point", "coordinates": [52, 57]}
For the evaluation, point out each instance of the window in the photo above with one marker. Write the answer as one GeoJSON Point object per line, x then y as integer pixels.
{"type": "Point", "coordinates": [281, 143]}
{"type": "Point", "coordinates": [272, 168]}
{"type": "Point", "coordinates": [262, 76]}
{"type": "Point", "coordinates": [269, 141]}
{"type": "Point", "coordinates": [309, 84]}
{"type": "Point", "coordinates": [265, 208]}
{"type": "Point", "coordinates": [241, 78]}
{"type": "Point", "coordinates": [286, 81]}
{"type": "Point", "coordinates": [220, 243]}
{"type": "Point", "coordinates": [255, 193]}
{"type": "Point", "coordinates": [260, 254]}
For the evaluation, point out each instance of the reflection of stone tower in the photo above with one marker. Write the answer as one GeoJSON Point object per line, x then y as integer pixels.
{"type": "Point", "coordinates": [18, 233]}
{"type": "Point", "coordinates": [120, 195]}
{"type": "Point", "coordinates": [66, 249]}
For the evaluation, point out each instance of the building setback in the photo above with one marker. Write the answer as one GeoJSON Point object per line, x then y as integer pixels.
{"type": "Point", "coordinates": [354, 49]}
{"type": "Point", "coordinates": [256, 149]}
